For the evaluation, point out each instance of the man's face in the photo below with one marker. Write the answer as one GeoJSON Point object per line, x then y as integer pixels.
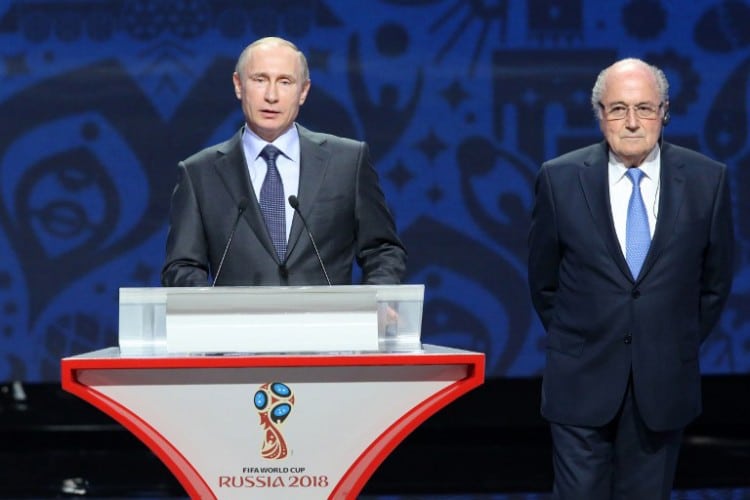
{"type": "Point", "coordinates": [270, 86]}
{"type": "Point", "coordinates": [633, 137]}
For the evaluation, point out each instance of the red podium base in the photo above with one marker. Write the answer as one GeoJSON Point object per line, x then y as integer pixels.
{"type": "Point", "coordinates": [273, 426]}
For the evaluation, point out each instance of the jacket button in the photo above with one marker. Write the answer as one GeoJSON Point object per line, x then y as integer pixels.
{"type": "Point", "coordinates": [628, 339]}
{"type": "Point", "coordinates": [635, 294]}
{"type": "Point", "coordinates": [283, 271]}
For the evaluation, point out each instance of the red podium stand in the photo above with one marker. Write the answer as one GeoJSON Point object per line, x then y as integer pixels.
{"type": "Point", "coordinates": [272, 426]}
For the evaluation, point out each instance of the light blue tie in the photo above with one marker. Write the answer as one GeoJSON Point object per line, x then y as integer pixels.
{"type": "Point", "coordinates": [272, 202]}
{"type": "Point", "coordinates": [637, 234]}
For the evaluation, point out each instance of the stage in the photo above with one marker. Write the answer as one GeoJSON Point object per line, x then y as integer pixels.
{"type": "Point", "coordinates": [488, 444]}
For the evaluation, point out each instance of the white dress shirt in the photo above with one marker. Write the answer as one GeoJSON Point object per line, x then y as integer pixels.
{"type": "Point", "coordinates": [620, 189]}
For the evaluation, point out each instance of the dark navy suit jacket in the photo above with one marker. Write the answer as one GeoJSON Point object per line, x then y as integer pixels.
{"type": "Point", "coordinates": [601, 322]}
{"type": "Point", "coordinates": [339, 196]}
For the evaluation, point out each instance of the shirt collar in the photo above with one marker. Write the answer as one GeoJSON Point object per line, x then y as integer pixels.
{"type": "Point", "coordinates": [650, 165]}
{"type": "Point", "coordinates": [287, 142]}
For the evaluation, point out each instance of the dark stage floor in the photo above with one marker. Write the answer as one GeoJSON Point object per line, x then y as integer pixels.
{"type": "Point", "coordinates": [490, 444]}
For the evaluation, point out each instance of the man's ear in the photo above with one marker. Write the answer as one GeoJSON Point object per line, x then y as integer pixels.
{"type": "Point", "coordinates": [305, 90]}
{"type": "Point", "coordinates": [237, 85]}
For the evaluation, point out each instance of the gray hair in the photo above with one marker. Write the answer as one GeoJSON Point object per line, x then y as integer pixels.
{"type": "Point", "coordinates": [662, 84]}
{"type": "Point", "coordinates": [273, 40]}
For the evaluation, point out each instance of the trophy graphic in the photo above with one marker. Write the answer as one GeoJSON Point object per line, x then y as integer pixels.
{"type": "Point", "coordinates": [274, 402]}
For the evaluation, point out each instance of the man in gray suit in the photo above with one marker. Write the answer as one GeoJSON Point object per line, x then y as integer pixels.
{"type": "Point", "coordinates": [231, 219]}
{"type": "Point", "coordinates": [630, 264]}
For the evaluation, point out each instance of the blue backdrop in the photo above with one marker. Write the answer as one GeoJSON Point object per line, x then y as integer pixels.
{"type": "Point", "coordinates": [460, 101]}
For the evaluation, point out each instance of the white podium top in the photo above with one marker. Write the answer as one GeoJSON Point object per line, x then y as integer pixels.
{"type": "Point", "coordinates": [354, 318]}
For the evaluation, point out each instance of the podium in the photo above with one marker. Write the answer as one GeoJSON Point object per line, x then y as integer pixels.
{"type": "Point", "coordinates": [272, 422]}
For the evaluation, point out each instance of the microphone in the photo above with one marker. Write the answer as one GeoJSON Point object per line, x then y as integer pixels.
{"type": "Point", "coordinates": [294, 202]}
{"type": "Point", "coordinates": [241, 207]}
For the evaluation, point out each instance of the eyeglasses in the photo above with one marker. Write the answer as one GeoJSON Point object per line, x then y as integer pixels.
{"type": "Point", "coordinates": [620, 111]}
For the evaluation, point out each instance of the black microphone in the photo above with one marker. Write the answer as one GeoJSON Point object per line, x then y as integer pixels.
{"type": "Point", "coordinates": [241, 207]}
{"type": "Point", "coordinates": [294, 202]}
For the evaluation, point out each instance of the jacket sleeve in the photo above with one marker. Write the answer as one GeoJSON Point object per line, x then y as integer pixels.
{"type": "Point", "coordinates": [379, 253]}
{"type": "Point", "coordinates": [186, 262]}
{"type": "Point", "coordinates": [544, 252]}
{"type": "Point", "coordinates": [716, 278]}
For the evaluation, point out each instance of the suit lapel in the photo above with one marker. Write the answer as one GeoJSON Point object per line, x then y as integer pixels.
{"type": "Point", "coordinates": [595, 185]}
{"type": "Point", "coordinates": [594, 178]}
{"type": "Point", "coordinates": [672, 182]}
{"type": "Point", "coordinates": [232, 170]}
{"type": "Point", "coordinates": [314, 157]}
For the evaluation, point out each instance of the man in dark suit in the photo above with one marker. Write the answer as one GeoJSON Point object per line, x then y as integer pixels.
{"type": "Point", "coordinates": [230, 219]}
{"type": "Point", "coordinates": [630, 264]}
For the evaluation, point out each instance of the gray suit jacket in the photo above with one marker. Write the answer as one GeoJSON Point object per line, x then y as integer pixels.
{"type": "Point", "coordinates": [339, 196]}
{"type": "Point", "coordinates": [604, 324]}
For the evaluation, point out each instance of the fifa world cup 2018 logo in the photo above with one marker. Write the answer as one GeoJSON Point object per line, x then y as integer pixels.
{"type": "Point", "coordinates": [274, 402]}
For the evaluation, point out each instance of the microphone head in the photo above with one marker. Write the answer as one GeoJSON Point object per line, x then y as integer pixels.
{"type": "Point", "coordinates": [293, 201]}
{"type": "Point", "coordinates": [242, 205]}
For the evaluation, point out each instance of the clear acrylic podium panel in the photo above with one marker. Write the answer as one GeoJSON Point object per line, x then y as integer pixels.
{"type": "Point", "coordinates": [349, 318]}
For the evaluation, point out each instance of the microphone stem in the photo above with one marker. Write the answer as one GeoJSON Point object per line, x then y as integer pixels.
{"type": "Point", "coordinates": [320, 259]}
{"type": "Point", "coordinates": [294, 202]}
{"type": "Point", "coordinates": [229, 242]}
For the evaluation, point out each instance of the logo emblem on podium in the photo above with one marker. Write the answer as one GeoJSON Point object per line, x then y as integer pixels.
{"type": "Point", "coordinates": [274, 402]}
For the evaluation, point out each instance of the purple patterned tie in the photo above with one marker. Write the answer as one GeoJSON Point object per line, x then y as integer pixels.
{"type": "Point", "coordinates": [272, 202]}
